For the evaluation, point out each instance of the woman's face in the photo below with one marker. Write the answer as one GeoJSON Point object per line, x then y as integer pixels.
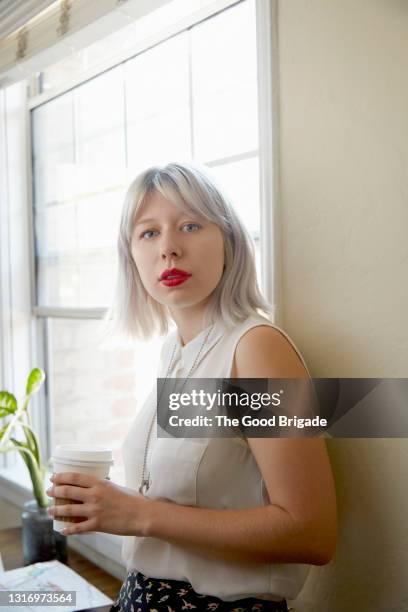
{"type": "Point", "coordinates": [164, 237]}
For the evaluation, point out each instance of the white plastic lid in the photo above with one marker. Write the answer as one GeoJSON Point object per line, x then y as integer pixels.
{"type": "Point", "coordinates": [82, 452]}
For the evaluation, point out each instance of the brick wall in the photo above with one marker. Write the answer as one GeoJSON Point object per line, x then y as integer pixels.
{"type": "Point", "coordinates": [97, 386]}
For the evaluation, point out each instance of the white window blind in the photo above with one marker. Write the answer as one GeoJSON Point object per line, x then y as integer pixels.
{"type": "Point", "coordinates": [15, 13]}
{"type": "Point", "coordinates": [48, 31]}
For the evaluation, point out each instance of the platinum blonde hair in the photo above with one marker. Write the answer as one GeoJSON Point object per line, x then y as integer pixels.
{"type": "Point", "coordinates": [134, 312]}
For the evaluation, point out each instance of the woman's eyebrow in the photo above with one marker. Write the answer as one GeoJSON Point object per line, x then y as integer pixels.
{"type": "Point", "coordinates": [151, 220]}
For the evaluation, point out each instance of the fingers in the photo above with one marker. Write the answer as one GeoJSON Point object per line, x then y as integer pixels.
{"type": "Point", "coordinates": [68, 492]}
{"type": "Point", "coordinates": [74, 478]}
{"type": "Point", "coordinates": [70, 510]}
{"type": "Point", "coordinates": [82, 527]}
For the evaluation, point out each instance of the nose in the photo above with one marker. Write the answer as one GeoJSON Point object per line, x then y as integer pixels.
{"type": "Point", "coordinates": [169, 248]}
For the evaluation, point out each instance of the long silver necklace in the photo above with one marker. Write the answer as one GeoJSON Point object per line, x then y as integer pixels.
{"type": "Point", "coordinates": [146, 481]}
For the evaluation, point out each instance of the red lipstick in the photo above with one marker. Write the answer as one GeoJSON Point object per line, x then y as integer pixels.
{"type": "Point", "coordinates": [173, 277]}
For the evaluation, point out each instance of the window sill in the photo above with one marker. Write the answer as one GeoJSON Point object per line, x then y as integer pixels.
{"type": "Point", "coordinates": [103, 549]}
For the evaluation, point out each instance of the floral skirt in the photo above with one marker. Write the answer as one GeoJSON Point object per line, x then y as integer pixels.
{"type": "Point", "coordinates": [141, 594]}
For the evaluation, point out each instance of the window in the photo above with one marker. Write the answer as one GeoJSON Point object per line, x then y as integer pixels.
{"type": "Point", "coordinates": [192, 96]}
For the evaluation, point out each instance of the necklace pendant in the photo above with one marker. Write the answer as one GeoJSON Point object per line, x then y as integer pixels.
{"type": "Point", "coordinates": [144, 486]}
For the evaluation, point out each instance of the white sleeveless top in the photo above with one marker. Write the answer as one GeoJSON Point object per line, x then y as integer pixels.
{"type": "Point", "coordinates": [204, 472]}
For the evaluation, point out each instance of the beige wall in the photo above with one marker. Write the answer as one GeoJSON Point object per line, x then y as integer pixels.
{"type": "Point", "coordinates": [344, 190]}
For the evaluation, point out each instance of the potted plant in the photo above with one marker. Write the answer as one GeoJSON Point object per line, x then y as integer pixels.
{"type": "Point", "coordinates": [40, 541]}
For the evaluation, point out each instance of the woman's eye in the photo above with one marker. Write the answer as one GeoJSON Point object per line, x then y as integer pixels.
{"type": "Point", "coordinates": [147, 232]}
{"type": "Point", "coordinates": [191, 224]}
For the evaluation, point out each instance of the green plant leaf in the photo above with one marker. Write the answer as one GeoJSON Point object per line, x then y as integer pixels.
{"type": "Point", "coordinates": [34, 381]}
{"type": "Point", "coordinates": [21, 446]}
{"type": "Point", "coordinates": [32, 442]}
{"type": "Point", "coordinates": [6, 430]}
{"type": "Point", "coordinates": [2, 431]}
{"type": "Point", "coordinates": [8, 403]}
{"type": "Point", "coordinates": [35, 473]}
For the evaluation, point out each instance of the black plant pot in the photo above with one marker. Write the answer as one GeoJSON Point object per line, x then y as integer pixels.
{"type": "Point", "coordinates": [40, 541]}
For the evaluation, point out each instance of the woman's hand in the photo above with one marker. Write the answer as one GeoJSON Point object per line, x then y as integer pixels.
{"type": "Point", "coordinates": [107, 507]}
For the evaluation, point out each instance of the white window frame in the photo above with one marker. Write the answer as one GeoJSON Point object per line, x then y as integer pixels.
{"type": "Point", "coordinates": [105, 549]}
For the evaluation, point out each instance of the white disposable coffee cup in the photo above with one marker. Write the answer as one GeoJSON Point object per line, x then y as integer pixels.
{"type": "Point", "coordinates": [88, 459]}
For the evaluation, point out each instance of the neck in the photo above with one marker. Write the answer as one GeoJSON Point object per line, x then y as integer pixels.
{"type": "Point", "coordinates": [189, 322]}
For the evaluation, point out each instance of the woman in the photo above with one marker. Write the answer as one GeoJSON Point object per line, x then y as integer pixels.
{"type": "Point", "coordinates": [211, 523]}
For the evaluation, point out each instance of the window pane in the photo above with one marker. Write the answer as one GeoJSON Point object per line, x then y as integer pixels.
{"type": "Point", "coordinates": [53, 150]}
{"type": "Point", "coordinates": [157, 105]}
{"type": "Point", "coordinates": [76, 251]}
{"type": "Point", "coordinates": [96, 386]}
{"type": "Point", "coordinates": [225, 83]}
{"type": "Point", "coordinates": [240, 182]}
{"type": "Point", "coordinates": [100, 132]}
{"type": "Point", "coordinates": [80, 179]}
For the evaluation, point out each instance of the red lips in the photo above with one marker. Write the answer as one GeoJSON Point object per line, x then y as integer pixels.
{"type": "Point", "coordinates": [176, 272]}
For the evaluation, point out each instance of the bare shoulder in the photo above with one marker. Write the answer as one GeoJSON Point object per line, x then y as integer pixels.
{"type": "Point", "coordinates": [264, 352]}
{"type": "Point", "coordinates": [296, 471]}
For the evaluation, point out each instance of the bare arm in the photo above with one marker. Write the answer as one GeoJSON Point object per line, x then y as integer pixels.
{"type": "Point", "coordinates": [300, 524]}
{"type": "Point", "coordinates": [258, 535]}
